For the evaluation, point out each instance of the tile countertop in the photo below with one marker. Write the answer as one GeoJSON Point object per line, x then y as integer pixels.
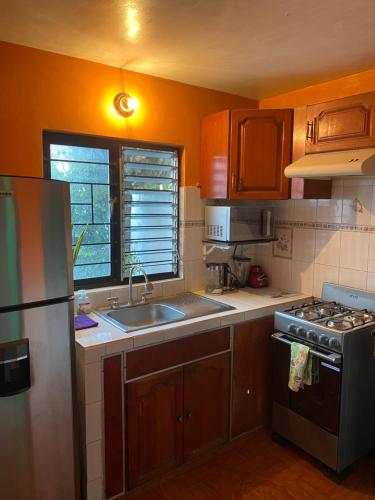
{"type": "Point", "coordinates": [106, 339]}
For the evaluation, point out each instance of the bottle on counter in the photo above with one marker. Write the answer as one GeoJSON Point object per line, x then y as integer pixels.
{"type": "Point", "coordinates": [83, 302]}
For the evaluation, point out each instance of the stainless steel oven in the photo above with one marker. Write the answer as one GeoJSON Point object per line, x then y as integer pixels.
{"type": "Point", "coordinates": [332, 419]}
{"type": "Point", "coordinates": [318, 403]}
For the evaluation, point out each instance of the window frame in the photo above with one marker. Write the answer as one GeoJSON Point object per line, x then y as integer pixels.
{"type": "Point", "coordinates": [114, 146]}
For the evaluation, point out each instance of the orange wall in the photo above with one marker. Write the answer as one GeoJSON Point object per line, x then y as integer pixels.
{"type": "Point", "coordinates": [358, 83]}
{"type": "Point", "coordinates": [45, 91]}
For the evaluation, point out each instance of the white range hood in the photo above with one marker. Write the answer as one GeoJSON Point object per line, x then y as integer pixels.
{"type": "Point", "coordinates": [321, 165]}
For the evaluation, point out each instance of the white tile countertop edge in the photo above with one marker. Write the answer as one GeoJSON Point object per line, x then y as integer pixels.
{"type": "Point", "coordinates": [107, 339]}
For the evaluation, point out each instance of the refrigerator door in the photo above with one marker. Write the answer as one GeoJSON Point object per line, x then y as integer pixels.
{"type": "Point", "coordinates": [35, 241]}
{"type": "Point", "coordinates": [38, 446]}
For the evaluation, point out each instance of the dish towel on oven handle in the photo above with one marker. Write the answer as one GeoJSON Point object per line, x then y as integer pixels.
{"type": "Point", "coordinates": [304, 368]}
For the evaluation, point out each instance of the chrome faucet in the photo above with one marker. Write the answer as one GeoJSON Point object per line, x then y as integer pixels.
{"type": "Point", "coordinates": [148, 285]}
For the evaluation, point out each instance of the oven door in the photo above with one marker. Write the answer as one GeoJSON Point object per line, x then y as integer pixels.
{"type": "Point", "coordinates": [318, 403]}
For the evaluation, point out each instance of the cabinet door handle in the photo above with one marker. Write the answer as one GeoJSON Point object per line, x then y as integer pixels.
{"type": "Point", "coordinates": [180, 418]}
{"type": "Point", "coordinates": [234, 182]}
{"type": "Point", "coordinates": [248, 392]}
{"type": "Point", "coordinates": [310, 131]}
{"type": "Point", "coordinates": [188, 415]}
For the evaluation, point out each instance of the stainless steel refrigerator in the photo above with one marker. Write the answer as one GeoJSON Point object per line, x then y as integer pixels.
{"type": "Point", "coordinates": [38, 446]}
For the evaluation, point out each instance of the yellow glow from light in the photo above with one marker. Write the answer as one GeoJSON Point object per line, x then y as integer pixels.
{"type": "Point", "coordinates": [132, 23]}
{"type": "Point", "coordinates": [115, 119]}
{"type": "Point", "coordinates": [133, 103]}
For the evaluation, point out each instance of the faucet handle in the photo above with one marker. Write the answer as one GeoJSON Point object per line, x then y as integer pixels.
{"type": "Point", "coordinates": [113, 301]}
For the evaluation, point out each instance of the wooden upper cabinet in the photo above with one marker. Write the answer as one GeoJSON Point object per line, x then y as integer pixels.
{"type": "Point", "coordinates": [244, 153]}
{"type": "Point", "coordinates": [347, 123]}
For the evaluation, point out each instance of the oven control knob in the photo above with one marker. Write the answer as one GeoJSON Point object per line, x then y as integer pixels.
{"type": "Point", "coordinates": [311, 335]}
{"type": "Point", "coordinates": [292, 328]}
{"type": "Point", "coordinates": [301, 331]}
{"type": "Point", "coordinates": [323, 339]}
{"type": "Point", "coordinates": [334, 343]}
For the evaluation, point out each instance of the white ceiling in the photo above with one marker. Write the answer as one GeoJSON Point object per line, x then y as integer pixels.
{"type": "Point", "coordinates": [254, 48]}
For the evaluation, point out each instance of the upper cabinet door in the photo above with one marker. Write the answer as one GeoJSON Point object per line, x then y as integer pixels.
{"type": "Point", "coordinates": [260, 150]}
{"type": "Point", "coordinates": [347, 123]}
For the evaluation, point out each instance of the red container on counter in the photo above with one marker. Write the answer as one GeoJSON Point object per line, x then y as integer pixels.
{"type": "Point", "coordinates": [257, 277]}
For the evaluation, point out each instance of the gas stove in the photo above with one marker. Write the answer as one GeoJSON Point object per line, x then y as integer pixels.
{"type": "Point", "coordinates": [333, 418]}
{"type": "Point", "coordinates": [326, 322]}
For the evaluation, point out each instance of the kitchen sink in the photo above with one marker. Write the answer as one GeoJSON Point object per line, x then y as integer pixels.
{"type": "Point", "coordinates": [161, 311]}
{"type": "Point", "coordinates": [145, 315]}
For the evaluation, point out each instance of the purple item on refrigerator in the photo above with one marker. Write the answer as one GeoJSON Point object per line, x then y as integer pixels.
{"type": "Point", "coordinates": [82, 321]}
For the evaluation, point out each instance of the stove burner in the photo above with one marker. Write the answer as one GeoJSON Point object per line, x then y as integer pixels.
{"type": "Point", "coordinates": [316, 310]}
{"type": "Point", "coordinates": [351, 320]}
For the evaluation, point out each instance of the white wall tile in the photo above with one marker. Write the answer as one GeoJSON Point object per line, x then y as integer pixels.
{"type": "Point", "coordinates": [173, 287]}
{"type": "Point", "coordinates": [93, 383]}
{"type": "Point", "coordinates": [93, 412]}
{"type": "Point", "coordinates": [354, 250]}
{"type": "Point", "coordinates": [337, 188]}
{"type": "Point", "coordinates": [266, 264]}
{"type": "Point", "coordinates": [302, 276]}
{"type": "Point", "coordinates": [371, 282]}
{"type": "Point", "coordinates": [372, 219]}
{"type": "Point", "coordinates": [284, 210]}
{"type": "Point", "coordinates": [357, 204]}
{"type": "Point", "coordinates": [281, 274]}
{"type": "Point", "coordinates": [353, 278]}
{"type": "Point", "coordinates": [304, 210]}
{"type": "Point", "coordinates": [193, 209]}
{"type": "Point", "coordinates": [324, 274]}
{"type": "Point", "coordinates": [194, 275]}
{"type": "Point", "coordinates": [263, 249]}
{"type": "Point", "coordinates": [303, 244]}
{"type": "Point", "coordinates": [191, 247]}
{"type": "Point", "coordinates": [95, 489]}
{"type": "Point", "coordinates": [371, 253]}
{"type": "Point", "coordinates": [327, 247]}
{"type": "Point", "coordinates": [94, 461]}
{"type": "Point", "coordinates": [329, 210]}
{"type": "Point", "coordinates": [361, 180]}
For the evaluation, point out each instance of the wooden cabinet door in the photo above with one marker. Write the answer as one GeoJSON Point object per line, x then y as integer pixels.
{"type": "Point", "coordinates": [154, 425]}
{"type": "Point", "coordinates": [251, 393]}
{"type": "Point", "coordinates": [347, 123]}
{"type": "Point", "coordinates": [260, 149]}
{"type": "Point", "coordinates": [206, 404]}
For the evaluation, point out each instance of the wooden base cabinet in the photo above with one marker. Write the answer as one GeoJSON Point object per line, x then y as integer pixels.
{"type": "Point", "coordinates": [251, 393]}
{"type": "Point", "coordinates": [154, 426]}
{"type": "Point", "coordinates": [206, 404]}
{"type": "Point", "coordinates": [244, 154]}
{"type": "Point", "coordinates": [176, 415]}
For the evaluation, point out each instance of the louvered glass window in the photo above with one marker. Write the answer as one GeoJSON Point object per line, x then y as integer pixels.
{"type": "Point", "coordinates": [126, 194]}
{"type": "Point", "coordinates": [149, 211]}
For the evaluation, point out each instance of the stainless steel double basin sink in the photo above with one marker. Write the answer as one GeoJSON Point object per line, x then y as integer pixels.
{"type": "Point", "coordinates": [160, 312]}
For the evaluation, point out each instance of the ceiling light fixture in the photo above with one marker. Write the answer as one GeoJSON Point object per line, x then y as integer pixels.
{"type": "Point", "coordinates": [125, 105]}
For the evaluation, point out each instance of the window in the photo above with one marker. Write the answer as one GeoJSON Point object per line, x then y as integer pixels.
{"type": "Point", "coordinates": [126, 195]}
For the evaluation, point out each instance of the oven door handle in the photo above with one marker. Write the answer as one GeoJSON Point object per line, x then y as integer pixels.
{"type": "Point", "coordinates": [335, 359]}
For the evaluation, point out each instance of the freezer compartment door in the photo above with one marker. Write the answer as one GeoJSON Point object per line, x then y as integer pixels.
{"type": "Point", "coordinates": [35, 241]}
{"type": "Point", "coordinates": [38, 449]}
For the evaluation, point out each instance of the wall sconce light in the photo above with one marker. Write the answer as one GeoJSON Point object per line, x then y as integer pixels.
{"type": "Point", "coordinates": [125, 105]}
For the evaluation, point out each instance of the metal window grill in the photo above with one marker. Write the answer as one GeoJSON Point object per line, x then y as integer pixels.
{"type": "Point", "coordinates": [149, 211]}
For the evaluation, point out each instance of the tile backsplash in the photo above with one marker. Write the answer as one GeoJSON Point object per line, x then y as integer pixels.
{"type": "Point", "coordinates": [321, 240]}
{"type": "Point", "coordinates": [331, 240]}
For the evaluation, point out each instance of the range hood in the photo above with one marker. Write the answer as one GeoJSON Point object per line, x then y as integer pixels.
{"type": "Point", "coordinates": [338, 163]}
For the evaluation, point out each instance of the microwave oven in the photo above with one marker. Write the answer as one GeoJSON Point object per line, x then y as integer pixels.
{"type": "Point", "coordinates": [237, 224]}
